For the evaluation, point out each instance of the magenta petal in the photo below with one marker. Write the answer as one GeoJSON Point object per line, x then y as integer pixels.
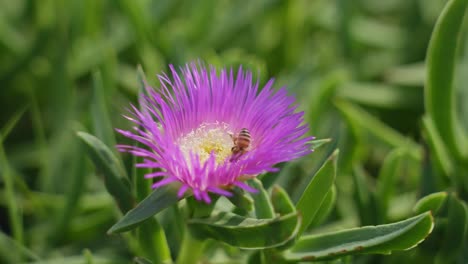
{"type": "Point", "coordinates": [164, 182]}
{"type": "Point", "coordinates": [182, 191]}
{"type": "Point", "coordinates": [155, 174]}
{"type": "Point", "coordinates": [245, 187]}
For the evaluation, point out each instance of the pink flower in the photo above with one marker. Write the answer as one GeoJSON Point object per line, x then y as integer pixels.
{"type": "Point", "coordinates": [189, 125]}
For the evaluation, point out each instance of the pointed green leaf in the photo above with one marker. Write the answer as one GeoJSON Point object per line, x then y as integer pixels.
{"type": "Point", "coordinates": [320, 142]}
{"type": "Point", "coordinates": [247, 233]}
{"type": "Point", "coordinates": [387, 179]}
{"type": "Point", "coordinates": [316, 190]}
{"type": "Point", "coordinates": [440, 88]}
{"type": "Point", "coordinates": [382, 239]}
{"type": "Point", "coordinates": [281, 201]}
{"type": "Point", "coordinates": [115, 177]}
{"type": "Point", "coordinates": [241, 200]}
{"type": "Point", "coordinates": [262, 203]}
{"type": "Point", "coordinates": [365, 199]}
{"type": "Point", "coordinates": [325, 208]}
{"type": "Point", "coordinates": [283, 205]}
{"type": "Point", "coordinates": [8, 127]}
{"type": "Point", "coordinates": [456, 231]}
{"type": "Point", "coordinates": [438, 149]}
{"type": "Point", "coordinates": [158, 200]}
{"type": "Point", "coordinates": [431, 202]}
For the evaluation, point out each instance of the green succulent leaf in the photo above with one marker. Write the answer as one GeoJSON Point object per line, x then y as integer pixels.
{"type": "Point", "coordinates": [431, 202]}
{"type": "Point", "coordinates": [456, 231]}
{"type": "Point", "coordinates": [107, 164]}
{"type": "Point", "coordinates": [440, 153]}
{"type": "Point", "coordinates": [247, 233]}
{"type": "Point", "coordinates": [387, 179]}
{"type": "Point", "coordinates": [158, 200]}
{"type": "Point", "coordinates": [316, 191]}
{"type": "Point", "coordinates": [262, 203]}
{"type": "Point", "coordinates": [325, 208]}
{"type": "Point", "coordinates": [381, 239]}
{"type": "Point", "coordinates": [281, 201]}
{"type": "Point", "coordinates": [241, 200]}
{"type": "Point", "coordinates": [440, 89]}
{"type": "Point", "coordinates": [320, 142]}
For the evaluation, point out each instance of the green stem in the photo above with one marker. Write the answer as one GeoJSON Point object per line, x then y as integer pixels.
{"type": "Point", "coordinates": [191, 249]}
{"type": "Point", "coordinates": [153, 242]}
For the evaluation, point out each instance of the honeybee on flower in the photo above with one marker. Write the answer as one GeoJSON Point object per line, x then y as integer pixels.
{"type": "Point", "coordinates": [186, 129]}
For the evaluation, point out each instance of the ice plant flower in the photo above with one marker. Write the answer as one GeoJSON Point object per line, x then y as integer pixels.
{"type": "Point", "coordinates": [190, 128]}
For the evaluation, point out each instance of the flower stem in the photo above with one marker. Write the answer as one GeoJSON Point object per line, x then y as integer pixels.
{"type": "Point", "coordinates": [191, 249]}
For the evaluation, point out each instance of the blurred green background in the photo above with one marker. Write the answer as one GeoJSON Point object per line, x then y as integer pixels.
{"type": "Point", "coordinates": [357, 69]}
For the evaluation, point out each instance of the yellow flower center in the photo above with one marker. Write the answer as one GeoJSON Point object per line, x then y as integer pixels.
{"type": "Point", "coordinates": [208, 138]}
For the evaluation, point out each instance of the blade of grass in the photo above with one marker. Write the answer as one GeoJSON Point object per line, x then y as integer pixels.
{"type": "Point", "coordinates": [6, 129]}
{"type": "Point", "coordinates": [14, 212]}
{"type": "Point", "coordinates": [99, 113]}
{"type": "Point", "coordinates": [17, 248]}
{"type": "Point", "coordinates": [380, 130]}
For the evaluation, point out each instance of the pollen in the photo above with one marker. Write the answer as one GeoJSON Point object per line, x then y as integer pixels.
{"type": "Point", "coordinates": [206, 139]}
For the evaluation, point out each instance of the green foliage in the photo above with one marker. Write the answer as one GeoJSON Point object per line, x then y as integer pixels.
{"type": "Point", "coordinates": [383, 81]}
{"type": "Point", "coordinates": [382, 239]}
{"type": "Point", "coordinates": [316, 191]}
{"type": "Point", "coordinates": [440, 88]}
{"type": "Point", "coordinates": [115, 177]}
{"type": "Point", "coordinates": [248, 233]}
{"type": "Point", "coordinates": [159, 199]}
{"type": "Point", "coordinates": [431, 202]}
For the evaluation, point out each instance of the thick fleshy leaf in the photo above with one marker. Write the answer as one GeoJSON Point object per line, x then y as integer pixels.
{"type": "Point", "coordinates": [440, 89]}
{"type": "Point", "coordinates": [320, 142]}
{"type": "Point", "coordinates": [241, 200]}
{"type": "Point", "coordinates": [438, 149]}
{"type": "Point", "coordinates": [262, 203]}
{"type": "Point", "coordinates": [283, 205]}
{"type": "Point", "coordinates": [158, 200]}
{"type": "Point", "coordinates": [316, 190]}
{"type": "Point", "coordinates": [382, 239]}
{"type": "Point", "coordinates": [387, 179]}
{"type": "Point", "coordinates": [455, 232]}
{"type": "Point", "coordinates": [325, 208]}
{"type": "Point", "coordinates": [107, 164]}
{"type": "Point", "coordinates": [247, 233]}
{"type": "Point", "coordinates": [431, 202]}
{"type": "Point", "coordinates": [365, 200]}
{"type": "Point", "coordinates": [281, 201]}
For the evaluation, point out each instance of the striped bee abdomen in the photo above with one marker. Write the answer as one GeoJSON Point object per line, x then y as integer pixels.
{"type": "Point", "coordinates": [241, 141]}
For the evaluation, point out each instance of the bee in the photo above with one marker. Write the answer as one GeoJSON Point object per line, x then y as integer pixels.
{"type": "Point", "coordinates": [241, 141]}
